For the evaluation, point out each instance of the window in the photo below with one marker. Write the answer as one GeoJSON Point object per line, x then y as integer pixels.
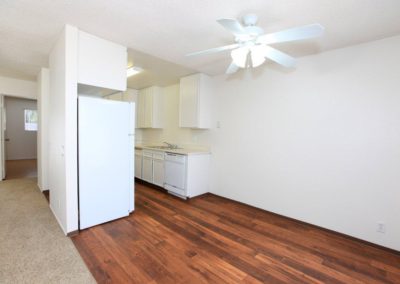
{"type": "Point", "coordinates": [31, 119]}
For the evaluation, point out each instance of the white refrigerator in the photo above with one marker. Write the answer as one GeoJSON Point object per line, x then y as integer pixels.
{"type": "Point", "coordinates": [106, 131]}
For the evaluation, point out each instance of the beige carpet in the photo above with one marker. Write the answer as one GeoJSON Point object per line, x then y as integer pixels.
{"type": "Point", "coordinates": [33, 248]}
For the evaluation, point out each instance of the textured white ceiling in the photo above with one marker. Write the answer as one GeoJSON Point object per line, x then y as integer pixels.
{"type": "Point", "coordinates": [169, 29]}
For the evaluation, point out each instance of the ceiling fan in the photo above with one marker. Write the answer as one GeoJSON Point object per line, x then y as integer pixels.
{"type": "Point", "coordinates": [252, 45]}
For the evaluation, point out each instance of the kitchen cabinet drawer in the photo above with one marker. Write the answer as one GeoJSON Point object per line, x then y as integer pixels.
{"type": "Point", "coordinates": [148, 154]}
{"type": "Point", "coordinates": [158, 155]}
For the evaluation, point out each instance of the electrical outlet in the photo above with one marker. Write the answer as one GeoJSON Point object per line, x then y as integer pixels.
{"type": "Point", "coordinates": [381, 228]}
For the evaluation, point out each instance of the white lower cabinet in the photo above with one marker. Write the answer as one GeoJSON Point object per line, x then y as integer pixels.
{"type": "Point", "coordinates": [182, 175]}
{"type": "Point", "coordinates": [147, 167]}
{"type": "Point", "coordinates": [138, 163]}
{"type": "Point", "coordinates": [153, 167]}
{"type": "Point", "coordinates": [158, 169]}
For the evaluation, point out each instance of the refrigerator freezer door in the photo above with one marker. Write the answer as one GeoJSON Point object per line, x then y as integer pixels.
{"type": "Point", "coordinates": [105, 157]}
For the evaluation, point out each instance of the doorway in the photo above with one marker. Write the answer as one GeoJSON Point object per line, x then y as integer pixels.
{"type": "Point", "coordinates": [20, 137]}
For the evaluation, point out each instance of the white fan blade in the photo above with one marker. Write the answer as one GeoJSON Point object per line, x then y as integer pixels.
{"type": "Point", "coordinates": [213, 50]}
{"type": "Point", "coordinates": [232, 25]}
{"type": "Point", "coordinates": [232, 68]}
{"type": "Point", "coordinates": [278, 56]}
{"type": "Point", "coordinates": [305, 32]}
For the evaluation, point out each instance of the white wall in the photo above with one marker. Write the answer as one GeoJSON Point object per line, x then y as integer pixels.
{"type": "Point", "coordinates": [62, 178]}
{"type": "Point", "coordinates": [319, 144]}
{"type": "Point", "coordinates": [18, 88]}
{"type": "Point", "coordinates": [43, 92]}
{"type": "Point", "coordinates": [22, 144]}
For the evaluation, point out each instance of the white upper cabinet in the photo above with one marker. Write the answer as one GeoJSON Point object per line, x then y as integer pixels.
{"type": "Point", "coordinates": [101, 63]}
{"type": "Point", "coordinates": [195, 95]}
{"type": "Point", "coordinates": [149, 108]}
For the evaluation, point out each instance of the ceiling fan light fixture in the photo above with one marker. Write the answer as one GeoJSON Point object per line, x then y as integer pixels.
{"type": "Point", "coordinates": [257, 55]}
{"type": "Point", "coordinates": [239, 56]}
{"type": "Point", "coordinates": [252, 45]}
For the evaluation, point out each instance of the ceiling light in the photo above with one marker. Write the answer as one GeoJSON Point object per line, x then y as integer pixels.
{"type": "Point", "coordinates": [257, 55]}
{"type": "Point", "coordinates": [239, 56]}
{"type": "Point", "coordinates": [133, 71]}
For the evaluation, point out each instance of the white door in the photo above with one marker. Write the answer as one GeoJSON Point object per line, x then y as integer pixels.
{"type": "Point", "coordinates": [105, 160]}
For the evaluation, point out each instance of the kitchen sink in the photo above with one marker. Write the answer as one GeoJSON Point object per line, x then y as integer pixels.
{"type": "Point", "coordinates": [163, 147]}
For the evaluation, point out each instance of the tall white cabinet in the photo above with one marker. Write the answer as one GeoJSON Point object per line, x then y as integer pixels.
{"type": "Point", "coordinates": [76, 58]}
{"type": "Point", "coordinates": [195, 101]}
{"type": "Point", "coordinates": [101, 63]}
{"type": "Point", "coordinates": [149, 108]}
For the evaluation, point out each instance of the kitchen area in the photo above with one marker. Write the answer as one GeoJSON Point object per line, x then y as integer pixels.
{"type": "Point", "coordinates": [182, 172]}
{"type": "Point", "coordinates": [172, 132]}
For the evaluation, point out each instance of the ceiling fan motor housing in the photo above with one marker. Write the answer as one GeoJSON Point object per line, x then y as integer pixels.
{"type": "Point", "coordinates": [250, 19]}
{"type": "Point", "coordinates": [251, 30]}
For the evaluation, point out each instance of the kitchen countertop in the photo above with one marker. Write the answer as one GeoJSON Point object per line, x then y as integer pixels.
{"type": "Point", "coordinates": [182, 151]}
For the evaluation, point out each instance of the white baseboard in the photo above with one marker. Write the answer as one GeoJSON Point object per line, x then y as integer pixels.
{"type": "Point", "coordinates": [59, 223]}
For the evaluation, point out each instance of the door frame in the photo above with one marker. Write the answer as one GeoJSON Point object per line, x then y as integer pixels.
{"type": "Point", "coordinates": [3, 121]}
{"type": "Point", "coordinates": [2, 138]}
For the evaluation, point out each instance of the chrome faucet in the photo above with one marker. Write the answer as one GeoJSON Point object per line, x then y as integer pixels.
{"type": "Point", "coordinates": [172, 146]}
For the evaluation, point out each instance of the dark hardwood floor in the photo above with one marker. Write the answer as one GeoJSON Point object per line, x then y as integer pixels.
{"type": "Point", "coordinates": [21, 169]}
{"type": "Point", "coordinates": [210, 239]}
